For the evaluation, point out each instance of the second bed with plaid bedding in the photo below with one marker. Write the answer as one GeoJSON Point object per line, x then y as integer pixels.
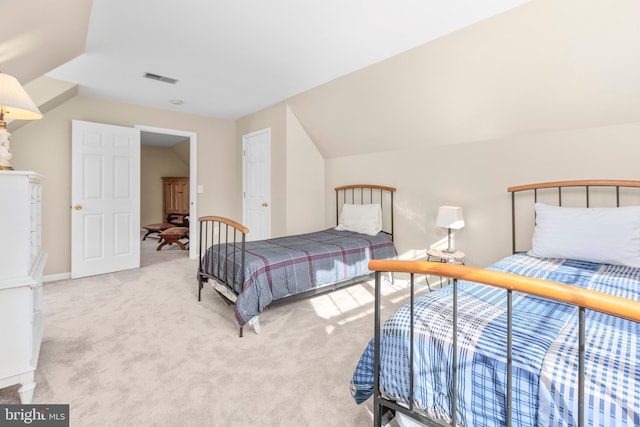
{"type": "Point", "coordinates": [545, 352]}
{"type": "Point", "coordinates": [284, 266]}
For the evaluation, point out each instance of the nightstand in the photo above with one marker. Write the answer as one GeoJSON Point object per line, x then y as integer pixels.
{"type": "Point", "coordinates": [456, 257]}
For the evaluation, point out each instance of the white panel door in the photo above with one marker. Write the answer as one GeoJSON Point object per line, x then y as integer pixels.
{"type": "Point", "coordinates": [256, 184]}
{"type": "Point", "coordinates": [105, 198]}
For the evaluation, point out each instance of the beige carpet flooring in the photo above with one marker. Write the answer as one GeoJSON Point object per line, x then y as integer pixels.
{"type": "Point", "coordinates": [136, 348]}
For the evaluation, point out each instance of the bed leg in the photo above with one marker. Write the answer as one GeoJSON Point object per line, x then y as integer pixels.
{"type": "Point", "coordinates": [377, 414]}
{"type": "Point", "coordinates": [200, 285]}
{"type": "Point", "coordinates": [240, 331]}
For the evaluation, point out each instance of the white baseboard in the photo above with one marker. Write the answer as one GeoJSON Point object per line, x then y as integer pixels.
{"type": "Point", "coordinates": [56, 277]}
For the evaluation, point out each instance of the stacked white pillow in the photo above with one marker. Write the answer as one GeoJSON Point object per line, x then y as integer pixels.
{"type": "Point", "coordinates": [603, 235]}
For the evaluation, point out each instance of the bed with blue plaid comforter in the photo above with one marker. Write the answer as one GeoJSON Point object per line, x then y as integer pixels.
{"type": "Point", "coordinates": [545, 352]}
{"type": "Point", "coordinates": [285, 266]}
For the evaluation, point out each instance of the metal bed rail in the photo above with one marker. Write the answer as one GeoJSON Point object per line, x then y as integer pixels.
{"type": "Point", "coordinates": [584, 299]}
{"type": "Point", "coordinates": [216, 230]}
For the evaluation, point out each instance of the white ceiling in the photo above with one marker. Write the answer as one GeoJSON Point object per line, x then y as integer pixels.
{"type": "Point", "coordinates": [233, 58]}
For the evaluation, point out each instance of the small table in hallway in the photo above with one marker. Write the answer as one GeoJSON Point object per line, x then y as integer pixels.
{"type": "Point", "coordinates": [173, 235]}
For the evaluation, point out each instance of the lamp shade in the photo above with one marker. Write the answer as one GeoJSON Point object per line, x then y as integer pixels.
{"type": "Point", "coordinates": [450, 217]}
{"type": "Point", "coordinates": [15, 103]}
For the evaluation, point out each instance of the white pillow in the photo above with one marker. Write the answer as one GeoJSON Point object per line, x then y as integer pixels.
{"type": "Point", "coordinates": [603, 235]}
{"type": "Point", "coordinates": [365, 219]}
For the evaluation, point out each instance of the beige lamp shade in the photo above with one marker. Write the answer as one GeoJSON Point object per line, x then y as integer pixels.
{"type": "Point", "coordinates": [450, 217]}
{"type": "Point", "coordinates": [15, 103]}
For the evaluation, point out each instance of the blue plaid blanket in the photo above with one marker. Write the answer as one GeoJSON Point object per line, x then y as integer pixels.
{"type": "Point", "coordinates": [544, 352]}
{"type": "Point", "coordinates": [276, 268]}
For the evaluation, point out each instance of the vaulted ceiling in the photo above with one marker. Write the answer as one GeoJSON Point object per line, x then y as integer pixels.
{"type": "Point", "coordinates": [544, 66]}
{"type": "Point", "coordinates": [429, 72]}
{"type": "Point", "coordinates": [38, 35]}
{"type": "Point", "coordinates": [232, 58]}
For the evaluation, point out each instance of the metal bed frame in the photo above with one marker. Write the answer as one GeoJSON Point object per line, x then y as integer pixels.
{"type": "Point", "coordinates": [220, 230]}
{"type": "Point", "coordinates": [583, 298]}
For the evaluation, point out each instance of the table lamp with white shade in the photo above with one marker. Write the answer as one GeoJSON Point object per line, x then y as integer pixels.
{"type": "Point", "coordinates": [450, 217]}
{"type": "Point", "coordinates": [15, 104]}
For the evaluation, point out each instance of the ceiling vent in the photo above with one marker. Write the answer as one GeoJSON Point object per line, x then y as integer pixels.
{"type": "Point", "coordinates": [160, 78]}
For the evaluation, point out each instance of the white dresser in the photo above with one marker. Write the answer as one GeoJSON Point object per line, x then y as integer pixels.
{"type": "Point", "coordinates": [21, 263]}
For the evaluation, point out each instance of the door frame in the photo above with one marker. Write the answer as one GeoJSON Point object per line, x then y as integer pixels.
{"type": "Point", "coordinates": [193, 171]}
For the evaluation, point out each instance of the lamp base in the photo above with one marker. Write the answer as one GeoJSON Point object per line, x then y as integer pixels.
{"type": "Point", "coordinates": [5, 148]}
{"type": "Point", "coordinates": [449, 249]}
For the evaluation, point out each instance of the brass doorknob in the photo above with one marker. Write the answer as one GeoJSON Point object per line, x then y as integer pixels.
{"type": "Point", "coordinates": [265, 204]}
{"type": "Point", "coordinates": [78, 207]}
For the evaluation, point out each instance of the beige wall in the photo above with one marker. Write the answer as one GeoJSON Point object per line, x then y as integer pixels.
{"type": "Point", "coordinates": [156, 162]}
{"type": "Point", "coordinates": [44, 146]}
{"type": "Point", "coordinates": [476, 176]}
{"type": "Point", "coordinates": [33, 43]}
{"type": "Point", "coordinates": [304, 181]}
{"type": "Point", "coordinates": [472, 175]}
{"type": "Point", "coordinates": [455, 121]}
{"type": "Point", "coordinates": [542, 67]}
{"type": "Point", "coordinates": [458, 120]}
{"type": "Point", "coordinates": [182, 150]}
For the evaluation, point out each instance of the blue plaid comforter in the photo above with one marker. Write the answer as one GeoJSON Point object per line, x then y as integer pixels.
{"type": "Point", "coordinates": [276, 268]}
{"type": "Point", "coordinates": [545, 352]}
